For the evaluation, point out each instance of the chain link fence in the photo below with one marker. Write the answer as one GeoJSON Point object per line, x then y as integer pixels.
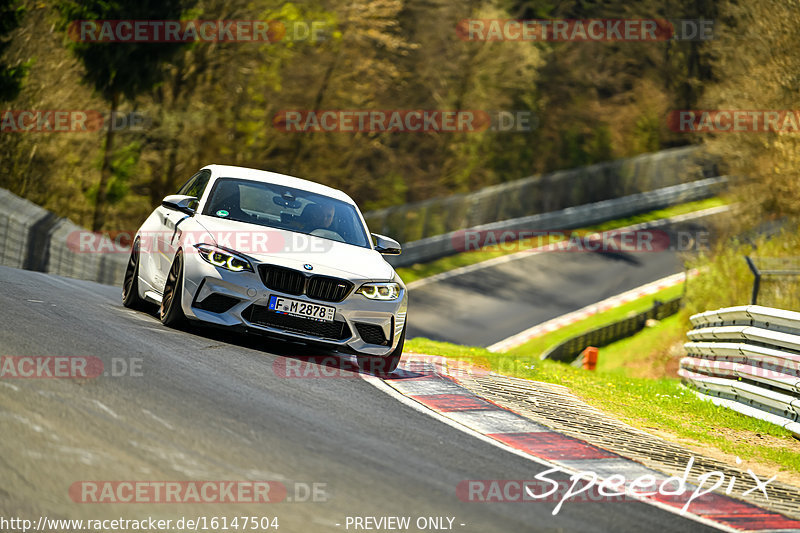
{"type": "Point", "coordinates": [776, 281]}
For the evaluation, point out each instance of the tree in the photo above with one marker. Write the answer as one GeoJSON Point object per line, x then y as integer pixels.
{"type": "Point", "coordinates": [119, 70]}
{"type": "Point", "coordinates": [10, 76]}
{"type": "Point", "coordinates": [760, 76]}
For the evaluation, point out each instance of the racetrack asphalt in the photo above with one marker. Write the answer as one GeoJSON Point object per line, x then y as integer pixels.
{"type": "Point", "coordinates": [483, 306]}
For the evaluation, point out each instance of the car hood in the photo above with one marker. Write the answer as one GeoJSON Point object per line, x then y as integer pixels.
{"type": "Point", "coordinates": [294, 250]}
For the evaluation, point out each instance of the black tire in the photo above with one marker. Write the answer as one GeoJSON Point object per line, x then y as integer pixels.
{"type": "Point", "coordinates": [170, 312]}
{"type": "Point", "coordinates": [130, 284]}
{"type": "Point", "coordinates": [375, 364]}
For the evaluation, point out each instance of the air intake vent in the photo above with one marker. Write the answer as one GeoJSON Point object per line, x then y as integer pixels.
{"type": "Point", "coordinates": [217, 303]}
{"type": "Point", "coordinates": [371, 334]}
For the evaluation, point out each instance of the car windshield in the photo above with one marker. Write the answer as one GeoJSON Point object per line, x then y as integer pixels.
{"type": "Point", "coordinates": [287, 208]}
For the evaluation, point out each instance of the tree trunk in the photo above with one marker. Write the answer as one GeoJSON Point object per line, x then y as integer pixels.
{"type": "Point", "coordinates": [323, 88]}
{"type": "Point", "coordinates": [105, 171]}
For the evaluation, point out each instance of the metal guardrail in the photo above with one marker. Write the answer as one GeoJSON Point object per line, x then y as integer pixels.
{"type": "Point", "coordinates": [569, 350]}
{"type": "Point", "coordinates": [747, 358]}
{"type": "Point", "coordinates": [579, 216]}
{"type": "Point", "coordinates": [543, 194]}
{"type": "Point", "coordinates": [35, 239]}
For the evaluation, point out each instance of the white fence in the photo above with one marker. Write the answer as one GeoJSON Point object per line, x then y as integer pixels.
{"type": "Point", "coordinates": [747, 358]}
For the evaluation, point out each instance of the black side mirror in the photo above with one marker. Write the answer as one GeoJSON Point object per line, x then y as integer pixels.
{"type": "Point", "coordinates": [180, 202]}
{"type": "Point", "coordinates": [386, 246]}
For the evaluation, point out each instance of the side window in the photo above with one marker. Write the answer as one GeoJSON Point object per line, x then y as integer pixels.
{"type": "Point", "coordinates": [189, 184]}
{"type": "Point", "coordinates": [196, 184]}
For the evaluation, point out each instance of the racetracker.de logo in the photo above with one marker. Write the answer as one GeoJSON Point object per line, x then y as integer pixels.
{"type": "Point", "coordinates": [392, 120]}
{"type": "Point", "coordinates": [585, 30]}
{"type": "Point", "coordinates": [734, 121]}
{"type": "Point", "coordinates": [67, 367]}
{"type": "Point", "coordinates": [177, 492]}
{"type": "Point", "coordinates": [404, 120]}
{"type": "Point", "coordinates": [529, 490]}
{"type": "Point", "coordinates": [247, 242]}
{"type": "Point", "coordinates": [190, 31]}
{"type": "Point", "coordinates": [338, 367]}
{"type": "Point", "coordinates": [565, 30]}
{"type": "Point", "coordinates": [738, 367]}
{"type": "Point", "coordinates": [612, 241]}
{"type": "Point", "coordinates": [50, 366]}
{"type": "Point", "coordinates": [68, 121]}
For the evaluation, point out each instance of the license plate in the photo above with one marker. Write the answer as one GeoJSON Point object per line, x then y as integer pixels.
{"type": "Point", "coordinates": [293, 307]}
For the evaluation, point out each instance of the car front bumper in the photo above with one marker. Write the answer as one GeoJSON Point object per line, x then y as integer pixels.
{"type": "Point", "coordinates": [218, 296]}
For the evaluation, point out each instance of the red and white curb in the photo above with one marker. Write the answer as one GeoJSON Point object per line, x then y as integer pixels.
{"type": "Point", "coordinates": [430, 384]}
{"type": "Point", "coordinates": [590, 310]}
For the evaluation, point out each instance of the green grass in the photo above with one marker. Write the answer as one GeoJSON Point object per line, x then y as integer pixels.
{"type": "Point", "coordinates": [649, 353]}
{"type": "Point", "coordinates": [650, 404]}
{"type": "Point", "coordinates": [536, 347]}
{"type": "Point", "coordinates": [423, 270]}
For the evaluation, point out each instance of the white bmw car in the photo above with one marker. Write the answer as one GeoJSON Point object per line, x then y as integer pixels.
{"type": "Point", "coordinates": [275, 254]}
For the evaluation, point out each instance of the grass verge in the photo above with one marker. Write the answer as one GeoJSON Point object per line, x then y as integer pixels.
{"type": "Point", "coordinates": [536, 347]}
{"type": "Point", "coordinates": [424, 270]}
{"type": "Point", "coordinates": [654, 352]}
{"type": "Point", "coordinates": [650, 404]}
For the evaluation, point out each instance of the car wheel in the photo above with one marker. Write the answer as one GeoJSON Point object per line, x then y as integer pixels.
{"type": "Point", "coordinates": [375, 364]}
{"type": "Point", "coordinates": [130, 284]}
{"type": "Point", "coordinates": [171, 312]}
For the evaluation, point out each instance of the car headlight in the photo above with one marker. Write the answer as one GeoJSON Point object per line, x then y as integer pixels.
{"type": "Point", "coordinates": [380, 291]}
{"type": "Point", "coordinates": [223, 258]}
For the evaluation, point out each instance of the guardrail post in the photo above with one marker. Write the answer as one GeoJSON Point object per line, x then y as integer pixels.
{"type": "Point", "coordinates": [756, 279]}
{"type": "Point", "coordinates": [656, 309]}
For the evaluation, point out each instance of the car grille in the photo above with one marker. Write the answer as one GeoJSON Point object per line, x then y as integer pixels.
{"type": "Point", "coordinates": [217, 303]}
{"type": "Point", "coordinates": [328, 289]}
{"type": "Point", "coordinates": [371, 334]}
{"type": "Point", "coordinates": [282, 279]}
{"type": "Point", "coordinates": [326, 330]}
{"type": "Point", "coordinates": [292, 281]}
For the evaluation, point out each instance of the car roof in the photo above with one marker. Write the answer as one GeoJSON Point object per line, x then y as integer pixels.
{"type": "Point", "coordinates": [264, 176]}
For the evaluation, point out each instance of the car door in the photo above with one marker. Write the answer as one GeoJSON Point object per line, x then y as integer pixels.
{"type": "Point", "coordinates": [168, 233]}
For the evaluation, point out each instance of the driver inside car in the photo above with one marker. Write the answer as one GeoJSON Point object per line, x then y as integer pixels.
{"type": "Point", "coordinates": [317, 216]}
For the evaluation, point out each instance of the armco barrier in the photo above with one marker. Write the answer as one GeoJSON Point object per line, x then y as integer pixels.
{"type": "Point", "coordinates": [35, 239]}
{"type": "Point", "coordinates": [20, 230]}
{"type": "Point", "coordinates": [543, 194]}
{"type": "Point", "coordinates": [747, 358]}
{"type": "Point", "coordinates": [108, 268]}
{"type": "Point", "coordinates": [570, 218]}
{"type": "Point", "coordinates": [569, 350]}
